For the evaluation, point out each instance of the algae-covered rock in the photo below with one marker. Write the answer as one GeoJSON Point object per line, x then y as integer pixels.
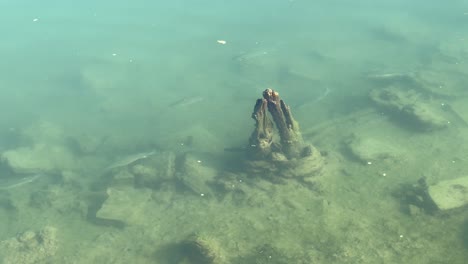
{"type": "Point", "coordinates": [425, 115]}
{"type": "Point", "coordinates": [369, 149]}
{"type": "Point", "coordinates": [30, 247]}
{"type": "Point", "coordinates": [160, 167]}
{"type": "Point", "coordinates": [47, 150]}
{"type": "Point", "coordinates": [125, 204]}
{"type": "Point", "coordinates": [64, 199]}
{"type": "Point", "coordinates": [196, 176]}
{"type": "Point", "coordinates": [450, 194]}
{"type": "Point", "coordinates": [202, 248]}
{"type": "Point", "coordinates": [39, 158]}
{"type": "Point", "coordinates": [411, 106]}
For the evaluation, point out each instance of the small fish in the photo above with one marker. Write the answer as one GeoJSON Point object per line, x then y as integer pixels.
{"type": "Point", "coordinates": [391, 77]}
{"type": "Point", "coordinates": [13, 182]}
{"type": "Point", "coordinates": [186, 102]}
{"type": "Point", "coordinates": [319, 98]}
{"type": "Point", "coordinates": [129, 160]}
{"type": "Point", "coordinates": [251, 55]}
{"type": "Point", "coordinates": [323, 95]}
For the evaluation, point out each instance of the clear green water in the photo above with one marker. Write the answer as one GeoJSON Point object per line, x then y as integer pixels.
{"type": "Point", "coordinates": [87, 85]}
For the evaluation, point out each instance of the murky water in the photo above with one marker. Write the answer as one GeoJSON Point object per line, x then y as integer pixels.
{"type": "Point", "coordinates": [378, 89]}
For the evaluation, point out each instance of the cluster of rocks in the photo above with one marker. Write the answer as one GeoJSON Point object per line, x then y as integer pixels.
{"type": "Point", "coordinates": [426, 101]}
{"type": "Point", "coordinates": [131, 186]}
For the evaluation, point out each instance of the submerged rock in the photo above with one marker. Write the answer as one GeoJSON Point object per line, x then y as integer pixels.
{"type": "Point", "coordinates": [201, 248]}
{"type": "Point", "coordinates": [371, 149]}
{"type": "Point", "coordinates": [411, 107]}
{"type": "Point", "coordinates": [48, 151]}
{"type": "Point", "coordinates": [39, 158]}
{"type": "Point", "coordinates": [125, 204]}
{"type": "Point", "coordinates": [196, 176]}
{"type": "Point", "coordinates": [450, 194]}
{"type": "Point", "coordinates": [30, 247]}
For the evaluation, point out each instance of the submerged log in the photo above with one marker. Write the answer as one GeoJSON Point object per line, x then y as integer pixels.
{"type": "Point", "coordinates": [291, 139]}
{"type": "Point", "coordinates": [262, 137]}
{"type": "Point", "coordinates": [281, 150]}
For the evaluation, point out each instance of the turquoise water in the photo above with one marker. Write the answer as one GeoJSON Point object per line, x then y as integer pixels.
{"type": "Point", "coordinates": [89, 89]}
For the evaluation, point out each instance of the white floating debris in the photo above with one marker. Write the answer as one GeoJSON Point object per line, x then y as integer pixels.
{"type": "Point", "coordinates": [35, 19]}
{"type": "Point", "coordinates": [222, 42]}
